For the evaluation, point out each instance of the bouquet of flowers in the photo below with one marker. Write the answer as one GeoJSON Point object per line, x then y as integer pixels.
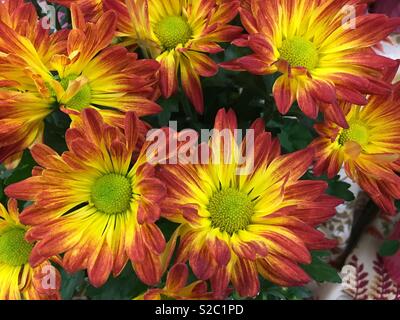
{"type": "Point", "coordinates": [192, 149]}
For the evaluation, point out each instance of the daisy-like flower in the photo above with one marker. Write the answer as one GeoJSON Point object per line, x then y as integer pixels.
{"type": "Point", "coordinates": [22, 17]}
{"type": "Point", "coordinates": [179, 34]}
{"type": "Point", "coordinates": [369, 148]}
{"type": "Point", "coordinates": [176, 287]}
{"type": "Point", "coordinates": [234, 227]}
{"type": "Point", "coordinates": [96, 203]}
{"type": "Point", "coordinates": [18, 280]}
{"type": "Point", "coordinates": [22, 106]}
{"type": "Point", "coordinates": [323, 50]}
{"type": "Point", "coordinates": [109, 79]}
{"type": "Point", "coordinates": [87, 73]}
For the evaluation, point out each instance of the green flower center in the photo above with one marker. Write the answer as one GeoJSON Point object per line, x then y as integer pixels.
{"type": "Point", "coordinates": [172, 31]}
{"type": "Point", "coordinates": [299, 52]}
{"type": "Point", "coordinates": [14, 249]}
{"type": "Point", "coordinates": [81, 99]}
{"type": "Point", "coordinates": [112, 194]}
{"type": "Point", "coordinates": [357, 132]}
{"type": "Point", "coordinates": [230, 210]}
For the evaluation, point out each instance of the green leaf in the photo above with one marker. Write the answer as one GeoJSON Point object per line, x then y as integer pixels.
{"type": "Point", "coordinates": [56, 125]}
{"type": "Point", "coordinates": [336, 187]}
{"type": "Point", "coordinates": [71, 283]}
{"type": "Point", "coordinates": [389, 248]}
{"type": "Point", "coordinates": [169, 106]}
{"type": "Point", "coordinates": [298, 293]}
{"type": "Point", "coordinates": [270, 291]}
{"type": "Point", "coordinates": [320, 270]}
{"type": "Point", "coordinates": [294, 134]}
{"type": "Point", "coordinates": [340, 189]}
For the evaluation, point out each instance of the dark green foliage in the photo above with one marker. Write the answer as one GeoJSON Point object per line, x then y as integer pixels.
{"type": "Point", "coordinates": [320, 270]}
{"type": "Point", "coordinates": [389, 248]}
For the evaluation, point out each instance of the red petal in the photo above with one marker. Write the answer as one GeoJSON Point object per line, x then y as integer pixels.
{"type": "Point", "coordinates": [191, 85]}
{"type": "Point", "coordinates": [245, 278]}
{"type": "Point", "coordinates": [177, 277]}
{"type": "Point", "coordinates": [284, 94]}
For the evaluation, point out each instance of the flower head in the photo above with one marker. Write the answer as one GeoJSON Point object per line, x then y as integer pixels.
{"type": "Point", "coordinates": [22, 17]}
{"type": "Point", "coordinates": [236, 226]}
{"type": "Point", "coordinates": [18, 280]}
{"type": "Point", "coordinates": [87, 73]}
{"type": "Point", "coordinates": [175, 287]}
{"type": "Point", "coordinates": [22, 104]}
{"type": "Point", "coordinates": [178, 34]}
{"type": "Point", "coordinates": [369, 148]}
{"type": "Point", "coordinates": [97, 203]}
{"type": "Point", "coordinates": [93, 74]}
{"type": "Point", "coordinates": [323, 50]}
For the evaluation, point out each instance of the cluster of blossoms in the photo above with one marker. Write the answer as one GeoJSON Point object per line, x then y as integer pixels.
{"type": "Point", "coordinates": [95, 207]}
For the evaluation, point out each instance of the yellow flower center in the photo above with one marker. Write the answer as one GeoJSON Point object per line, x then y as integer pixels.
{"type": "Point", "coordinates": [356, 132]}
{"type": "Point", "coordinates": [14, 249]}
{"type": "Point", "coordinates": [299, 52]}
{"type": "Point", "coordinates": [81, 99]}
{"type": "Point", "coordinates": [112, 194]}
{"type": "Point", "coordinates": [172, 31]}
{"type": "Point", "coordinates": [230, 210]}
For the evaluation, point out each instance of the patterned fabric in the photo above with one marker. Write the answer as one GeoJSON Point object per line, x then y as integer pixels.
{"type": "Point", "coordinates": [364, 276]}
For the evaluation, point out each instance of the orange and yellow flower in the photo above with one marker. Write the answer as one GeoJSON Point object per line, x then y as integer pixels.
{"type": "Point", "coordinates": [234, 226]}
{"type": "Point", "coordinates": [18, 280]}
{"type": "Point", "coordinates": [179, 34]}
{"type": "Point", "coordinates": [322, 48]}
{"type": "Point", "coordinates": [83, 72]}
{"type": "Point", "coordinates": [369, 149]}
{"type": "Point", "coordinates": [176, 288]}
{"type": "Point", "coordinates": [22, 106]}
{"type": "Point", "coordinates": [97, 203]}
{"type": "Point", "coordinates": [22, 18]}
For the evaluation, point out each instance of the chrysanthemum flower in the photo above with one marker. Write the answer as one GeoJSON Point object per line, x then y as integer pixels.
{"type": "Point", "coordinates": [18, 280]}
{"type": "Point", "coordinates": [111, 78]}
{"type": "Point", "coordinates": [234, 227]}
{"type": "Point", "coordinates": [93, 204]}
{"type": "Point", "coordinates": [22, 17]}
{"type": "Point", "coordinates": [22, 106]}
{"type": "Point", "coordinates": [177, 289]}
{"type": "Point", "coordinates": [178, 34]}
{"type": "Point", "coordinates": [87, 73]}
{"type": "Point", "coordinates": [323, 52]}
{"type": "Point", "coordinates": [369, 148]}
